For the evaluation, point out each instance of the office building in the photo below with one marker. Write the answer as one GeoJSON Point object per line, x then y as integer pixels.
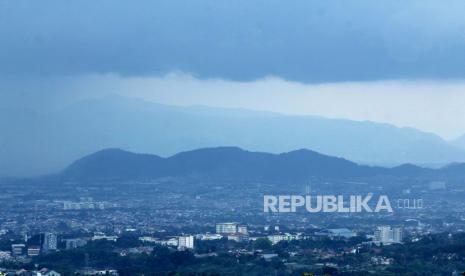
{"type": "Point", "coordinates": [226, 228]}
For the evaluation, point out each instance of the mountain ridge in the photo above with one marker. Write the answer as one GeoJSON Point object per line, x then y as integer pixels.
{"type": "Point", "coordinates": [459, 142]}
{"type": "Point", "coordinates": [234, 163]}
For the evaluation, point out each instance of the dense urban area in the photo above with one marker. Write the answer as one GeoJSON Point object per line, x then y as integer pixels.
{"type": "Point", "coordinates": [192, 225]}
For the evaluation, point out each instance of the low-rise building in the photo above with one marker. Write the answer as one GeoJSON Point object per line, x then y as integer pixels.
{"type": "Point", "coordinates": [209, 237]}
{"type": "Point", "coordinates": [283, 237]}
{"type": "Point", "coordinates": [337, 233]}
{"type": "Point", "coordinates": [238, 237]}
{"type": "Point", "coordinates": [101, 236]}
{"type": "Point", "coordinates": [226, 228]}
{"type": "Point", "coordinates": [47, 272]}
{"type": "Point", "coordinates": [75, 243]}
{"type": "Point", "coordinates": [33, 251]}
{"type": "Point", "coordinates": [17, 249]}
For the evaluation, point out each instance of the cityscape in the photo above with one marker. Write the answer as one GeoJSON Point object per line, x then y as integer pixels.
{"type": "Point", "coordinates": [65, 224]}
{"type": "Point", "coordinates": [232, 138]}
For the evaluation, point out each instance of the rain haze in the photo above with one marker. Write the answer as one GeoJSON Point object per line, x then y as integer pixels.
{"type": "Point", "coordinates": [400, 63]}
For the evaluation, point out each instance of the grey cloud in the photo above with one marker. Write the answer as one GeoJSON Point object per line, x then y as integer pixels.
{"type": "Point", "coordinates": [308, 41]}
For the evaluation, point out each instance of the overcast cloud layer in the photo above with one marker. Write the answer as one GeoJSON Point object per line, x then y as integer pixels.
{"type": "Point", "coordinates": [307, 41]}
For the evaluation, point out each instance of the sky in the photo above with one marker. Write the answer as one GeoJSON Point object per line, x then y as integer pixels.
{"type": "Point", "coordinates": [395, 61]}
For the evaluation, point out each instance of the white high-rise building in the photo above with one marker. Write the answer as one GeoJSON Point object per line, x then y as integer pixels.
{"type": "Point", "coordinates": [397, 235]}
{"type": "Point", "coordinates": [186, 242]}
{"type": "Point", "coordinates": [388, 235]}
{"type": "Point", "coordinates": [383, 234]}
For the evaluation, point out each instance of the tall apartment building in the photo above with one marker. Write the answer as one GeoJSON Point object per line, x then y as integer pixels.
{"type": "Point", "coordinates": [388, 235]}
{"type": "Point", "coordinates": [397, 235]}
{"type": "Point", "coordinates": [186, 242]}
{"type": "Point", "coordinates": [50, 242]}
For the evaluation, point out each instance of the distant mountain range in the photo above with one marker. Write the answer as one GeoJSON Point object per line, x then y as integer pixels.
{"type": "Point", "coordinates": [459, 142]}
{"type": "Point", "coordinates": [231, 163]}
{"type": "Point", "coordinates": [35, 143]}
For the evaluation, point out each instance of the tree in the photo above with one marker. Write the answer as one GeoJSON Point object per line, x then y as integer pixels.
{"type": "Point", "coordinates": [262, 243]}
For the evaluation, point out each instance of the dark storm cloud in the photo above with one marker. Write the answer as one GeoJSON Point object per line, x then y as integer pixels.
{"type": "Point", "coordinates": [309, 41]}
